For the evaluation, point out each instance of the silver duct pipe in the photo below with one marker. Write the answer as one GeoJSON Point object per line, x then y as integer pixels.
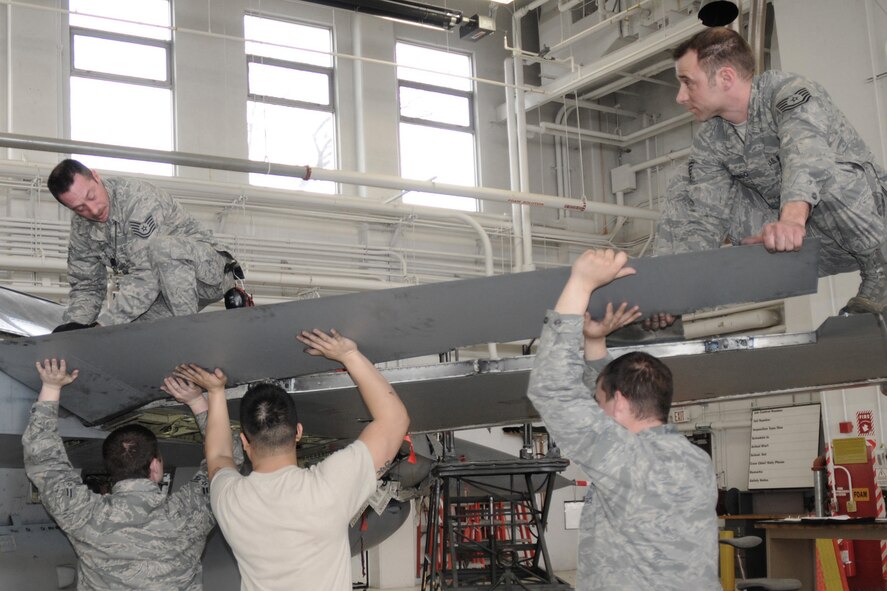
{"type": "Point", "coordinates": [756, 32]}
{"type": "Point", "coordinates": [42, 144]}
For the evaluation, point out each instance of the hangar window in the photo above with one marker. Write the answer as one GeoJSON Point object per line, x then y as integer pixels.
{"type": "Point", "coordinates": [121, 79]}
{"type": "Point", "coordinates": [290, 106]}
{"type": "Point", "coordinates": [437, 132]}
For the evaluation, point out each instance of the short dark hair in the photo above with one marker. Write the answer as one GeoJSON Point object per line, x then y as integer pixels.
{"type": "Point", "coordinates": [128, 452]}
{"type": "Point", "coordinates": [717, 47]}
{"type": "Point", "coordinates": [645, 382]}
{"type": "Point", "coordinates": [268, 417]}
{"type": "Point", "coordinates": [62, 176]}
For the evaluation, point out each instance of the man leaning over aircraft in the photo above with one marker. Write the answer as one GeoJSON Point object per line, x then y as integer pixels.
{"type": "Point", "coordinates": [774, 161]}
{"type": "Point", "coordinates": [649, 520]}
{"type": "Point", "coordinates": [163, 262]}
{"type": "Point", "coordinates": [137, 537]}
{"type": "Point", "coordinates": [288, 526]}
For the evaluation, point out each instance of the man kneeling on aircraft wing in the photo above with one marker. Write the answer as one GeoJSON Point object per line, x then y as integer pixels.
{"type": "Point", "coordinates": [649, 519]}
{"type": "Point", "coordinates": [163, 262]}
{"type": "Point", "coordinates": [288, 526]}
{"type": "Point", "coordinates": [137, 537]}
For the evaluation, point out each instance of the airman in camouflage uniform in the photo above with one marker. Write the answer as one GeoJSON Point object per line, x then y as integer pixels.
{"type": "Point", "coordinates": [163, 263]}
{"type": "Point", "coordinates": [137, 537]}
{"type": "Point", "coordinates": [775, 160]}
{"type": "Point", "coordinates": [649, 518]}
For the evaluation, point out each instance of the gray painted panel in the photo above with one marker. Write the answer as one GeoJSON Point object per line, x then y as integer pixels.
{"type": "Point", "coordinates": [846, 351]}
{"type": "Point", "coordinates": [121, 367]}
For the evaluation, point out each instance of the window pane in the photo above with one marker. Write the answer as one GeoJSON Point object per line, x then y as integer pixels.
{"type": "Point", "coordinates": [118, 57]}
{"type": "Point", "coordinates": [282, 40]}
{"type": "Point", "coordinates": [288, 135]}
{"type": "Point", "coordinates": [434, 106]}
{"type": "Point", "coordinates": [287, 83]}
{"type": "Point", "coordinates": [446, 156]}
{"type": "Point", "coordinates": [454, 64]}
{"type": "Point", "coordinates": [153, 17]}
{"type": "Point", "coordinates": [123, 114]}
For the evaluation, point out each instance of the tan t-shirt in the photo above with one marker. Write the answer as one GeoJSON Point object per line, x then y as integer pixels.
{"type": "Point", "coordinates": [289, 529]}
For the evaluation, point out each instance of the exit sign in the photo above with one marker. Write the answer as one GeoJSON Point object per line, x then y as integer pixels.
{"type": "Point", "coordinates": [679, 416]}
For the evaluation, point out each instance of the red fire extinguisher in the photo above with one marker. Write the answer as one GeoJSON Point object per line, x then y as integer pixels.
{"type": "Point", "coordinates": [847, 557]}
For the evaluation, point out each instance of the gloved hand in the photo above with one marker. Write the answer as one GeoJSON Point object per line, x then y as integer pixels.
{"type": "Point", "coordinates": [237, 297]}
{"type": "Point", "coordinates": [72, 326]}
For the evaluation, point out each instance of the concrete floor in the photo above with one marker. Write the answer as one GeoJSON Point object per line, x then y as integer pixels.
{"type": "Point", "coordinates": [568, 576]}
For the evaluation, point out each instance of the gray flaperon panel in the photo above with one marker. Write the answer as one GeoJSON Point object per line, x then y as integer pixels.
{"type": "Point", "coordinates": [121, 367]}
{"type": "Point", "coordinates": [844, 352]}
{"type": "Point", "coordinates": [848, 351]}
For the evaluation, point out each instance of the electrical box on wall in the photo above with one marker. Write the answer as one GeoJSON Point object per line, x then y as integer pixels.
{"type": "Point", "coordinates": [477, 27]}
{"type": "Point", "coordinates": [623, 179]}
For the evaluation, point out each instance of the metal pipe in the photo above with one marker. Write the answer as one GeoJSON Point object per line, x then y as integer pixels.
{"type": "Point", "coordinates": [616, 62]}
{"type": "Point", "coordinates": [525, 10]}
{"type": "Point", "coordinates": [595, 28]}
{"type": "Point", "coordinates": [565, 6]}
{"type": "Point", "coordinates": [488, 261]}
{"type": "Point", "coordinates": [617, 85]}
{"type": "Point", "coordinates": [657, 128]}
{"type": "Point", "coordinates": [520, 114]}
{"type": "Point", "coordinates": [38, 264]}
{"type": "Point", "coordinates": [61, 291]}
{"type": "Point", "coordinates": [354, 178]}
{"type": "Point", "coordinates": [561, 174]}
{"type": "Point", "coordinates": [621, 140]}
{"type": "Point", "coordinates": [513, 165]}
{"type": "Point", "coordinates": [731, 323]}
{"type": "Point", "coordinates": [756, 33]}
{"type": "Point", "coordinates": [414, 12]}
{"type": "Point", "coordinates": [664, 159]}
{"type": "Point", "coordinates": [604, 109]}
{"type": "Point", "coordinates": [587, 134]}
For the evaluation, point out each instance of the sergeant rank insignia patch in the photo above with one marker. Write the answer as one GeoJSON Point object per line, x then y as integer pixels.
{"type": "Point", "coordinates": [794, 101]}
{"type": "Point", "coordinates": [145, 228]}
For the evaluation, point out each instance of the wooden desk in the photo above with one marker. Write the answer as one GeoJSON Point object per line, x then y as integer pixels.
{"type": "Point", "coordinates": [791, 546]}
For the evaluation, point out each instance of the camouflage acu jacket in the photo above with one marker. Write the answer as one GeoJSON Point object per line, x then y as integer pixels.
{"type": "Point", "coordinates": [649, 517]}
{"type": "Point", "coordinates": [796, 145]}
{"type": "Point", "coordinates": [134, 538]}
{"type": "Point", "coordinates": [139, 212]}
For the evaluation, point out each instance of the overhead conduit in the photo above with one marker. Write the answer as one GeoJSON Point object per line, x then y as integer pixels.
{"type": "Point", "coordinates": [43, 144]}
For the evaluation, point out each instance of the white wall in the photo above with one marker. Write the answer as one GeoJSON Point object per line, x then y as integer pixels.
{"type": "Point", "coordinates": [807, 46]}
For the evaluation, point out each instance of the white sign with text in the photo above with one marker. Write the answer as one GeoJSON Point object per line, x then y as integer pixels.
{"type": "Point", "coordinates": [784, 443]}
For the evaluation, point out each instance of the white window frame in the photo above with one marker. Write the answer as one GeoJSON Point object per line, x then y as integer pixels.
{"type": "Point", "coordinates": [328, 71]}
{"type": "Point", "coordinates": [76, 31]}
{"type": "Point", "coordinates": [135, 80]}
{"type": "Point", "coordinates": [470, 128]}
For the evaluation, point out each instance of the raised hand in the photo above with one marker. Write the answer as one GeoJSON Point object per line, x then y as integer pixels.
{"type": "Point", "coordinates": [182, 390]}
{"type": "Point", "coordinates": [596, 268]}
{"type": "Point", "coordinates": [332, 346]}
{"type": "Point", "coordinates": [612, 320]}
{"type": "Point", "coordinates": [198, 376]}
{"type": "Point", "coordinates": [55, 373]}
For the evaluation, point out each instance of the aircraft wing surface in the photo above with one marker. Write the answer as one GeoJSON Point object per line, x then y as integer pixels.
{"type": "Point", "coordinates": [844, 352]}
{"type": "Point", "coordinates": [121, 367]}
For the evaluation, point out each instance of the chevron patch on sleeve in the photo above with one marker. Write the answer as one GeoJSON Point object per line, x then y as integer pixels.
{"type": "Point", "coordinates": [794, 101]}
{"type": "Point", "coordinates": [143, 229]}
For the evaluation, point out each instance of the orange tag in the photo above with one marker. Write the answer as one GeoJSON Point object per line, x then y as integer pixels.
{"type": "Point", "coordinates": [412, 458]}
